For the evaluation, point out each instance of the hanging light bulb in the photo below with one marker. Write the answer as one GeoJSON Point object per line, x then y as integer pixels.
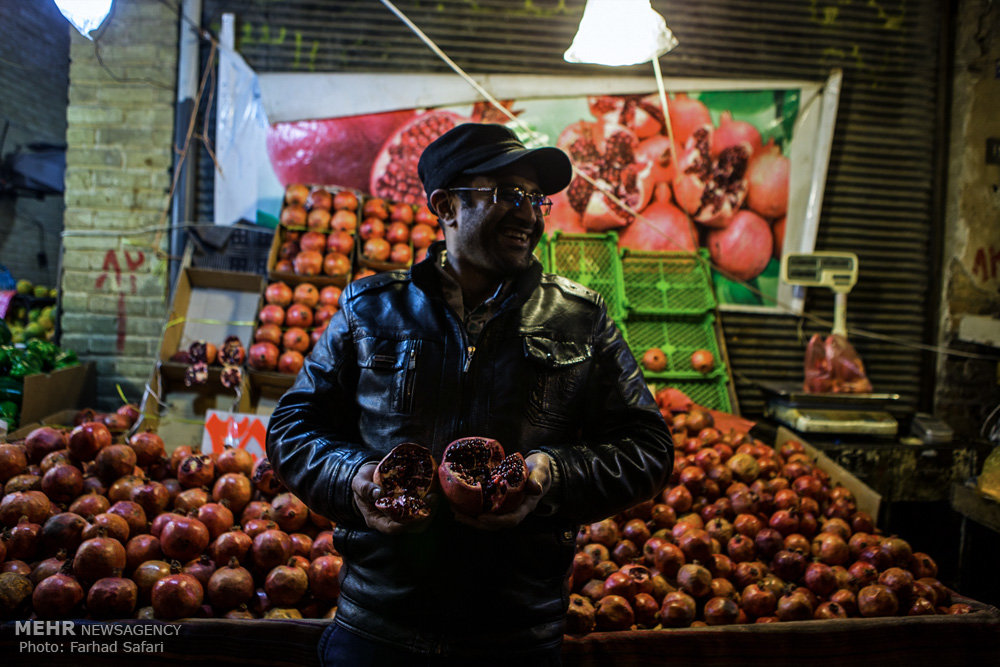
{"type": "Point", "coordinates": [620, 32]}
{"type": "Point", "coordinates": [85, 15]}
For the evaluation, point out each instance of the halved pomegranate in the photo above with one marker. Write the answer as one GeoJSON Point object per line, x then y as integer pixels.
{"type": "Point", "coordinates": [608, 154]}
{"type": "Point", "coordinates": [476, 476]}
{"type": "Point", "coordinates": [709, 189]}
{"type": "Point", "coordinates": [405, 475]}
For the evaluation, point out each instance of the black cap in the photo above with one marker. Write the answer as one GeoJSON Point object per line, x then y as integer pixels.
{"type": "Point", "coordinates": [482, 148]}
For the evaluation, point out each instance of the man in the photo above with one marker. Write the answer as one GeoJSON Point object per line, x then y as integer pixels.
{"type": "Point", "coordinates": [472, 341]}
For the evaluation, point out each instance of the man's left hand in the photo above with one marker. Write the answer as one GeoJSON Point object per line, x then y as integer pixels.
{"type": "Point", "coordinates": [539, 481]}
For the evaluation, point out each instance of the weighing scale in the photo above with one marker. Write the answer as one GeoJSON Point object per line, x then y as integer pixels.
{"type": "Point", "coordinates": [831, 413]}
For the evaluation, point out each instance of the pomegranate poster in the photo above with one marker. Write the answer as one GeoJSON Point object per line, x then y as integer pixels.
{"type": "Point", "coordinates": [740, 182]}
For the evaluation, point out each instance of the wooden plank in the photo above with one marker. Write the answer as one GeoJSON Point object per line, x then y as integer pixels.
{"type": "Point", "coordinates": [971, 503]}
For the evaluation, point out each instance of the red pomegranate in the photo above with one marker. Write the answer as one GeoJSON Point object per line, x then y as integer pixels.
{"type": "Point", "coordinates": [44, 440]}
{"type": "Point", "coordinates": [87, 439]}
{"type": "Point", "coordinates": [734, 132]}
{"type": "Point", "coordinates": [290, 362]}
{"type": "Point", "coordinates": [660, 226]}
{"type": "Point", "coordinates": [323, 573]}
{"type": "Point", "coordinates": [264, 356]}
{"type": "Point", "coordinates": [768, 176]}
{"type": "Point", "coordinates": [703, 361]}
{"type": "Point", "coordinates": [230, 586]}
{"type": "Point", "coordinates": [394, 170]}
{"type": "Point", "coordinates": [112, 597]}
{"type": "Point", "coordinates": [640, 113]}
{"type": "Point", "coordinates": [654, 360]}
{"type": "Point", "coordinates": [177, 596]}
{"type": "Point", "coordinates": [709, 189]}
{"type": "Point", "coordinates": [743, 248]}
{"type": "Point", "coordinates": [686, 115]}
{"type": "Point", "coordinates": [405, 475]}
{"type": "Point", "coordinates": [300, 151]}
{"type": "Point", "coordinates": [607, 153]}
{"type": "Point", "coordinates": [476, 477]}
{"type": "Point", "coordinates": [57, 596]}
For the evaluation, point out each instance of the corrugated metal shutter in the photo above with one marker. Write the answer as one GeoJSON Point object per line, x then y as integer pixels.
{"type": "Point", "coordinates": [883, 191]}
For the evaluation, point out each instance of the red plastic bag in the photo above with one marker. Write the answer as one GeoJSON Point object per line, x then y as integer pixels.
{"type": "Point", "coordinates": [832, 366]}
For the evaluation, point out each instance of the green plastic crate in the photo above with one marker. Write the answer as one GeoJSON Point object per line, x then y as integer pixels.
{"type": "Point", "coordinates": [542, 252]}
{"type": "Point", "coordinates": [710, 392]}
{"type": "Point", "coordinates": [593, 261]}
{"type": "Point", "coordinates": [678, 336]}
{"type": "Point", "coordinates": [662, 283]}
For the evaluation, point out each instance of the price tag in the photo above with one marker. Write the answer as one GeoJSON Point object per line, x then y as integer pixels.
{"type": "Point", "coordinates": [234, 429]}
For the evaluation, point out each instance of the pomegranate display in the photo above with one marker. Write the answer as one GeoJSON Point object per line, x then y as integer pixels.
{"type": "Point", "coordinates": [405, 475]}
{"type": "Point", "coordinates": [744, 533]}
{"type": "Point", "coordinates": [477, 477]}
{"type": "Point", "coordinates": [132, 548]}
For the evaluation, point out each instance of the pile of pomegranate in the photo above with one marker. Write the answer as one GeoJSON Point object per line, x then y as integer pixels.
{"type": "Point", "coordinates": [318, 230]}
{"type": "Point", "coordinates": [100, 525]}
{"type": "Point", "coordinates": [717, 186]}
{"type": "Point", "coordinates": [289, 323]}
{"type": "Point", "coordinates": [391, 232]}
{"type": "Point", "coordinates": [744, 533]}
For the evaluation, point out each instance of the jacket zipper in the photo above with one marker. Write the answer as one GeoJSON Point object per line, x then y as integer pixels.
{"type": "Point", "coordinates": [411, 364]}
{"type": "Point", "coordinates": [469, 351]}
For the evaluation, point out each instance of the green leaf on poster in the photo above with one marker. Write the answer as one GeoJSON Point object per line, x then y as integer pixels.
{"type": "Point", "coordinates": [732, 292]}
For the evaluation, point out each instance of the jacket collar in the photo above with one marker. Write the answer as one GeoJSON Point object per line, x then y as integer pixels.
{"type": "Point", "coordinates": [426, 276]}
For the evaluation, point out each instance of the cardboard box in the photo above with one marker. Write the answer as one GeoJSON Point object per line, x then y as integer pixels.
{"type": "Point", "coordinates": [48, 393]}
{"type": "Point", "coordinates": [62, 418]}
{"type": "Point", "coordinates": [177, 412]}
{"type": "Point", "coordinates": [209, 305]}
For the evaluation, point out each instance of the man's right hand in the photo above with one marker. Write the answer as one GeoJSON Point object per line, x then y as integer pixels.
{"type": "Point", "coordinates": [366, 492]}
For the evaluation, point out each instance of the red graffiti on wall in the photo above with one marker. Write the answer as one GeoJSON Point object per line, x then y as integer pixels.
{"type": "Point", "coordinates": [124, 284]}
{"type": "Point", "coordinates": [985, 263]}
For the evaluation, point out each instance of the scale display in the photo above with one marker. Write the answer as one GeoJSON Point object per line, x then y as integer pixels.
{"type": "Point", "coordinates": [836, 270]}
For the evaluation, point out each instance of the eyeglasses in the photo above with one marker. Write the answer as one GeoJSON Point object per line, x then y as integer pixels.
{"type": "Point", "coordinates": [514, 196]}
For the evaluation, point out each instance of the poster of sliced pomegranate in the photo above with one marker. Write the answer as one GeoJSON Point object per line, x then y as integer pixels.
{"type": "Point", "coordinates": [733, 169]}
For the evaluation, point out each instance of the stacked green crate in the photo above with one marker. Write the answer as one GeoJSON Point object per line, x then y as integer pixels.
{"type": "Point", "coordinates": [593, 261]}
{"type": "Point", "coordinates": [670, 304]}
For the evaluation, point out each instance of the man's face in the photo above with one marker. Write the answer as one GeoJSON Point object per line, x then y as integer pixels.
{"type": "Point", "coordinates": [496, 239]}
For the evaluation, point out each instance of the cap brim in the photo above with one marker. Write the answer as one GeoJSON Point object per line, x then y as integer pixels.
{"type": "Point", "coordinates": [552, 166]}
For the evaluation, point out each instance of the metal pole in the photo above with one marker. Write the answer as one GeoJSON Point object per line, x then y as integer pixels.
{"type": "Point", "coordinates": [182, 206]}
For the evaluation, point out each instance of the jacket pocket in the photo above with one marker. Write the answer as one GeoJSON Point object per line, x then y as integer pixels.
{"type": "Point", "coordinates": [388, 374]}
{"type": "Point", "coordinates": [561, 369]}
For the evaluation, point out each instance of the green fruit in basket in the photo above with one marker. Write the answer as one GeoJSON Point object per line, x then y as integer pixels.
{"type": "Point", "coordinates": [41, 291]}
{"type": "Point", "coordinates": [24, 286]}
{"type": "Point", "coordinates": [54, 292]}
{"type": "Point", "coordinates": [33, 330]}
{"type": "Point", "coordinates": [34, 314]}
{"type": "Point", "coordinates": [46, 322]}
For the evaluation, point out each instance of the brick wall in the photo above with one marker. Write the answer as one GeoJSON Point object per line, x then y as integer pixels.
{"type": "Point", "coordinates": [34, 64]}
{"type": "Point", "coordinates": [120, 135]}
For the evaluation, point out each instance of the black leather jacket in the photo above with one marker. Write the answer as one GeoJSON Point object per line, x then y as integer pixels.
{"type": "Point", "coordinates": [549, 372]}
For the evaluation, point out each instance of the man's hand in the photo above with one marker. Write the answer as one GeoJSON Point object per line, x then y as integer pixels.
{"type": "Point", "coordinates": [539, 481]}
{"type": "Point", "coordinates": [366, 492]}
